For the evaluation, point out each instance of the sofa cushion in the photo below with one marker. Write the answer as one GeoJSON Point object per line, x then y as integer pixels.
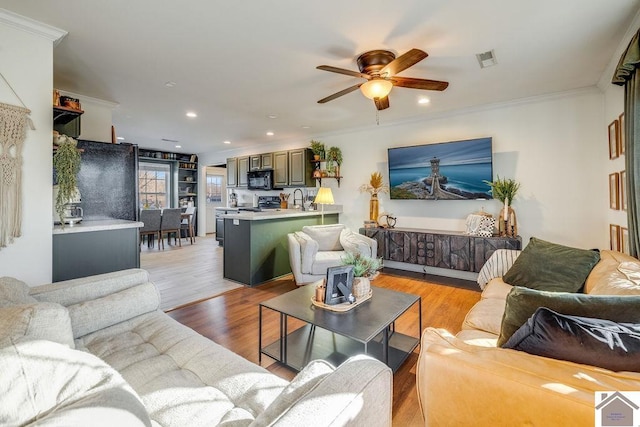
{"type": "Point", "coordinates": [324, 260]}
{"type": "Point", "coordinates": [624, 279]}
{"type": "Point", "coordinates": [548, 266]}
{"type": "Point", "coordinates": [485, 315]}
{"type": "Point", "coordinates": [586, 340]}
{"type": "Point", "coordinates": [37, 321]}
{"type": "Point", "coordinates": [49, 384]}
{"type": "Point", "coordinates": [327, 236]}
{"type": "Point", "coordinates": [300, 386]}
{"type": "Point", "coordinates": [606, 271]}
{"type": "Point", "coordinates": [308, 250]}
{"type": "Point", "coordinates": [353, 244]}
{"type": "Point", "coordinates": [521, 303]}
{"type": "Point", "coordinates": [14, 291]}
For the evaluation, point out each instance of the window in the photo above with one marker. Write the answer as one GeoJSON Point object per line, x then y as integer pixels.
{"type": "Point", "coordinates": [214, 188]}
{"type": "Point", "coordinates": [154, 182]}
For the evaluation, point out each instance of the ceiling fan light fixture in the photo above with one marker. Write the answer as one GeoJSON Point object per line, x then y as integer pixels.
{"type": "Point", "coordinates": [376, 88]}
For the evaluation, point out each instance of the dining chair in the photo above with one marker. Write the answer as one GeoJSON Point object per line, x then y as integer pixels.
{"type": "Point", "coordinates": [151, 228]}
{"type": "Point", "coordinates": [171, 224]}
{"type": "Point", "coordinates": [188, 219]}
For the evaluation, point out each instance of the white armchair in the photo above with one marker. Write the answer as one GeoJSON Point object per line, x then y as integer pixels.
{"type": "Point", "coordinates": [317, 247]}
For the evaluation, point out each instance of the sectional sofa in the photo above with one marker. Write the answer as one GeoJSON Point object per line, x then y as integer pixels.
{"type": "Point", "coordinates": [98, 351]}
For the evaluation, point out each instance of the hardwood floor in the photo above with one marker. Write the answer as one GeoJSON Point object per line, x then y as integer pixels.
{"type": "Point", "coordinates": [231, 320]}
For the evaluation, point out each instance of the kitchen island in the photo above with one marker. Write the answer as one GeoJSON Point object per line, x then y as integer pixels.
{"type": "Point", "coordinates": [95, 247]}
{"type": "Point", "coordinates": [255, 243]}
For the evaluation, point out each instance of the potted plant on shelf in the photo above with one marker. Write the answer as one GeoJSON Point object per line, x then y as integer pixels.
{"type": "Point", "coordinates": [318, 149]}
{"type": "Point", "coordinates": [66, 162]}
{"type": "Point", "coordinates": [365, 269]}
{"type": "Point", "coordinates": [334, 155]}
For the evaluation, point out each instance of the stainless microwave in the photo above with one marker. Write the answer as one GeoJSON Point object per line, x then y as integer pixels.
{"type": "Point", "coordinates": [260, 179]}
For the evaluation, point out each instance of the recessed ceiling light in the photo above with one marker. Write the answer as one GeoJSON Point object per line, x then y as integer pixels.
{"type": "Point", "coordinates": [191, 114]}
{"type": "Point", "coordinates": [270, 133]}
{"type": "Point", "coordinates": [272, 116]}
{"type": "Point", "coordinates": [305, 127]}
{"type": "Point", "coordinates": [424, 101]}
{"type": "Point", "coordinates": [178, 146]}
{"type": "Point", "coordinates": [120, 138]}
{"type": "Point", "coordinates": [170, 84]}
{"type": "Point", "coordinates": [226, 142]}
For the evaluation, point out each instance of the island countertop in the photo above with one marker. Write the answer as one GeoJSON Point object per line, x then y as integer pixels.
{"type": "Point", "coordinates": [277, 214]}
{"type": "Point", "coordinates": [97, 225]}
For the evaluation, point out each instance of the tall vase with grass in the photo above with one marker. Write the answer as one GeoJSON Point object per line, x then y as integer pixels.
{"type": "Point", "coordinates": [376, 185]}
{"type": "Point", "coordinates": [66, 162]}
{"type": "Point", "coordinates": [505, 190]}
{"type": "Point", "coordinates": [365, 269]}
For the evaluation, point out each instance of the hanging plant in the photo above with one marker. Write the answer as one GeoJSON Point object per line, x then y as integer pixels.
{"type": "Point", "coordinates": [66, 162]}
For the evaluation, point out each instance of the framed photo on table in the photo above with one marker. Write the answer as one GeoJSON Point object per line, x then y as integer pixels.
{"type": "Point", "coordinates": [614, 237]}
{"type": "Point", "coordinates": [613, 140]}
{"type": "Point", "coordinates": [614, 191]}
{"type": "Point", "coordinates": [623, 190]}
{"type": "Point", "coordinates": [339, 284]}
{"type": "Point", "coordinates": [621, 133]}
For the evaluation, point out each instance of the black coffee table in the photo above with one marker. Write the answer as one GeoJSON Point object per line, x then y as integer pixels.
{"type": "Point", "coordinates": [335, 336]}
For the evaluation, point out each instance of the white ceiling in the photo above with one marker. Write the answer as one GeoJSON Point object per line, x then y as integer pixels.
{"type": "Point", "coordinates": [237, 62]}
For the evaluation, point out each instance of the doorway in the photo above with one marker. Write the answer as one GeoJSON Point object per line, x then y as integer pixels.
{"type": "Point", "coordinates": [216, 195]}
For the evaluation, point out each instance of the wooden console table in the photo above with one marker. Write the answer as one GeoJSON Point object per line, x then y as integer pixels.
{"type": "Point", "coordinates": [443, 249]}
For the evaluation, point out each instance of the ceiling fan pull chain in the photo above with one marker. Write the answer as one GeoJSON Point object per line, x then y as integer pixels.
{"type": "Point", "coordinates": [377, 117]}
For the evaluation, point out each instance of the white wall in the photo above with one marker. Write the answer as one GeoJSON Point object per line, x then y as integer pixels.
{"type": "Point", "coordinates": [27, 63]}
{"type": "Point", "coordinates": [552, 145]}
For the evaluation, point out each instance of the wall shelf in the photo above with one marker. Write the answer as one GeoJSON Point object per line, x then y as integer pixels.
{"type": "Point", "coordinates": [63, 115]}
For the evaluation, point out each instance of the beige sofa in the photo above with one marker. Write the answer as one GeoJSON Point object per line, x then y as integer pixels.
{"type": "Point", "coordinates": [467, 380]}
{"type": "Point", "coordinates": [98, 351]}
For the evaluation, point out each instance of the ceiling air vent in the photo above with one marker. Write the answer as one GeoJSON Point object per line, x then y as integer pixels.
{"type": "Point", "coordinates": [486, 59]}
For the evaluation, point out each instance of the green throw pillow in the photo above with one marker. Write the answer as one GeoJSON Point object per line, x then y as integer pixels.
{"type": "Point", "coordinates": [523, 302]}
{"type": "Point", "coordinates": [550, 267]}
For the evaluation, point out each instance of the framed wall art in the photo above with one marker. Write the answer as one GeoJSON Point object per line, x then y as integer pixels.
{"type": "Point", "coordinates": [614, 237]}
{"type": "Point", "coordinates": [624, 240]}
{"type": "Point", "coordinates": [613, 140]}
{"type": "Point", "coordinates": [623, 190]}
{"type": "Point", "coordinates": [621, 133]}
{"type": "Point", "coordinates": [614, 191]}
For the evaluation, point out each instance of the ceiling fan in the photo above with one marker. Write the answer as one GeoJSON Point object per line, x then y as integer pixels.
{"type": "Point", "coordinates": [379, 68]}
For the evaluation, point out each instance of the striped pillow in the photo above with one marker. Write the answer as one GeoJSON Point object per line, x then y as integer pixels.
{"type": "Point", "coordinates": [498, 263]}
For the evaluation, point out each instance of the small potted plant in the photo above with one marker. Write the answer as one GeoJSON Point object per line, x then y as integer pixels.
{"type": "Point", "coordinates": [66, 162]}
{"type": "Point", "coordinates": [334, 155]}
{"type": "Point", "coordinates": [318, 149]}
{"type": "Point", "coordinates": [365, 269]}
{"type": "Point", "coordinates": [503, 189]}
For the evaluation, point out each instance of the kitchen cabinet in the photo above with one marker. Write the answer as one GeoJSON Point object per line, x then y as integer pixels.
{"type": "Point", "coordinates": [300, 168]}
{"type": "Point", "coordinates": [220, 222]}
{"type": "Point", "coordinates": [281, 168]}
{"type": "Point", "coordinates": [261, 161]}
{"type": "Point", "coordinates": [243, 168]}
{"type": "Point", "coordinates": [232, 172]}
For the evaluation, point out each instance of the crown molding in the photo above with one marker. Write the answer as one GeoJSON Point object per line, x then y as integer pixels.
{"type": "Point", "coordinates": [28, 25]}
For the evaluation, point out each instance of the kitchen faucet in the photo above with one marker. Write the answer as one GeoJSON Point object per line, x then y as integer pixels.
{"type": "Point", "coordinates": [301, 197]}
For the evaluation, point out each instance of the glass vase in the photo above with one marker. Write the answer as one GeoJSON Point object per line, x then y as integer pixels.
{"type": "Point", "coordinates": [373, 208]}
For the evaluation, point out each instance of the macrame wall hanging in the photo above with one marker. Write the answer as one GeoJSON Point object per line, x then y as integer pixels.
{"type": "Point", "coordinates": [13, 131]}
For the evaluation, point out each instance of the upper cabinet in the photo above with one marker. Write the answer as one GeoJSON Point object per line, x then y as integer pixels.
{"type": "Point", "coordinates": [243, 168]}
{"type": "Point", "coordinates": [281, 168]}
{"type": "Point", "coordinates": [261, 161]}
{"type": "Point", "coordinates": [300, 168]}
{"type": "Point", "coordinates": [232, 172]}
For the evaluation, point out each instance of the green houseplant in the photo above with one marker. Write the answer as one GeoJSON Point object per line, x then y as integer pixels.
{"type": "Point", "coordinates": [503, 189]}
{"type": "Point", "coordinates": [66, 162]}
{"type": "Point", "coordinates": [334, 155]}
{"type": "Point", "coordinates": [364, 270]}
{"type": "Point", "coordinates": [318, 149]}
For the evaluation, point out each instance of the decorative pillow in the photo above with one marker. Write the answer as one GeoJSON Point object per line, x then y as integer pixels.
{"type": "Point", "coordinates": [14, 291]}
{"type": "Point", "coordinates": [550, 267]}
{"type": "Point", "coordinates": [498, 263]}
{"type": "Point", "coordinates": [327, 236]}
{"type": "Point", "coordinates": [521, 303]}
{"type": "Point", "coordinates": [586, 340]}
{"type": "Point", "coordinates": [45, 383]}
{"type": "Point", "coordinates": [352, 244]}
{"type": "Point", "coordinates": [42, 320]}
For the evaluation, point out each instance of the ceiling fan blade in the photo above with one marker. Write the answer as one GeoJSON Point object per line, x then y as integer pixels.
{"type": "Point", "coordinates": [419, 83]}
{"type": "Point", "coordinates": [403, 62]}
{"type": "Point", "coordinates": [339, 94]}
{"type": "Point", "coordinates": [381, 103]}
{"type": "Point", "coordinates": [343, 71]}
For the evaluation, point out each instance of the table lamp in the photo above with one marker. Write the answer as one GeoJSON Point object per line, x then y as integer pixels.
{"type": "Point", "coordinates": [324, 197]}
